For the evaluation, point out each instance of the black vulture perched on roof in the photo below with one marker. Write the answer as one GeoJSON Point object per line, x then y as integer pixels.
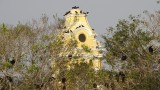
{"type": "Point", "coordinates": [76, 12]}
{"type": "Point", "coordinates": [81, 11]}
{"type": "Point", "coordinates": [87, 12]}
{"type": "Point", "coordinates": [75, 7]}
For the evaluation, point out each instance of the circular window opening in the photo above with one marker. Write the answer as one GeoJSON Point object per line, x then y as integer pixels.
{"type": "Point", "coordinates": [82, 38]}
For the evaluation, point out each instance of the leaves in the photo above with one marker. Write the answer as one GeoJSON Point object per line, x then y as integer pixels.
{"type": "Point", "coordinates": [34, 48]}
{"type": "Point", "coordinates": [131, 40]}
{"type": "Point", "coordinates": [86, 48]}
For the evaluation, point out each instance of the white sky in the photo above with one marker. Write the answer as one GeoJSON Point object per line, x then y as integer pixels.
{"type": "Point", "coordinates": [103, 13]}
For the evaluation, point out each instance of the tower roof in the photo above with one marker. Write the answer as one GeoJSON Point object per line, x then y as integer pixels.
{"type": "Point", "coordinates": [75, 11]}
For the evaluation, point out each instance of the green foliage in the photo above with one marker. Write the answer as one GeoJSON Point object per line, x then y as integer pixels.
{"type": "Point", "coordinates": [132, 39]}
{"type": "Point", "coordinates": [33, 68]}
{"type": "Point", "coordinates": [34, 48]}
{"type": "Point", "coordinates": [4, 28]}
{"type": "Point", "coordinates": [82, 76]}
{"type": "Point", "coordinates": [6, 65]}
{"type": "Point", "coordinates": [127, 38]}
{"type": "Point", "coordinates": [86, 48]}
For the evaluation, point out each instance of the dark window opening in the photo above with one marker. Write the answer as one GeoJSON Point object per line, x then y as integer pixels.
{"type": "Point", "coordinates": [82, 38]}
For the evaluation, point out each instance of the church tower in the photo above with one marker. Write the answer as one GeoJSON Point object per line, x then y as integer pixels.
{"type": "Point", "coordinates": [77, 26]}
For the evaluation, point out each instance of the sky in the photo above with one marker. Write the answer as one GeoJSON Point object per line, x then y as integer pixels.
{"type": "Point", "coordinates": [102, 13]}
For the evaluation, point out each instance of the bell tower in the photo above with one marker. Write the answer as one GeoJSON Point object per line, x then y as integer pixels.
{"type": "Point", "coordinates": [76, 25]}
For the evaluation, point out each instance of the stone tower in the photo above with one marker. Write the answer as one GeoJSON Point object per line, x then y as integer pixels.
{"type": "Point", "coordinates": [76, 24]}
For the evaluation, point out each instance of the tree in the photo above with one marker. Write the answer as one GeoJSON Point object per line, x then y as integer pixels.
{"type": "Point", "coordinates": [26, 54]}
{"type": "Point", "coordinates": [129, 52]}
